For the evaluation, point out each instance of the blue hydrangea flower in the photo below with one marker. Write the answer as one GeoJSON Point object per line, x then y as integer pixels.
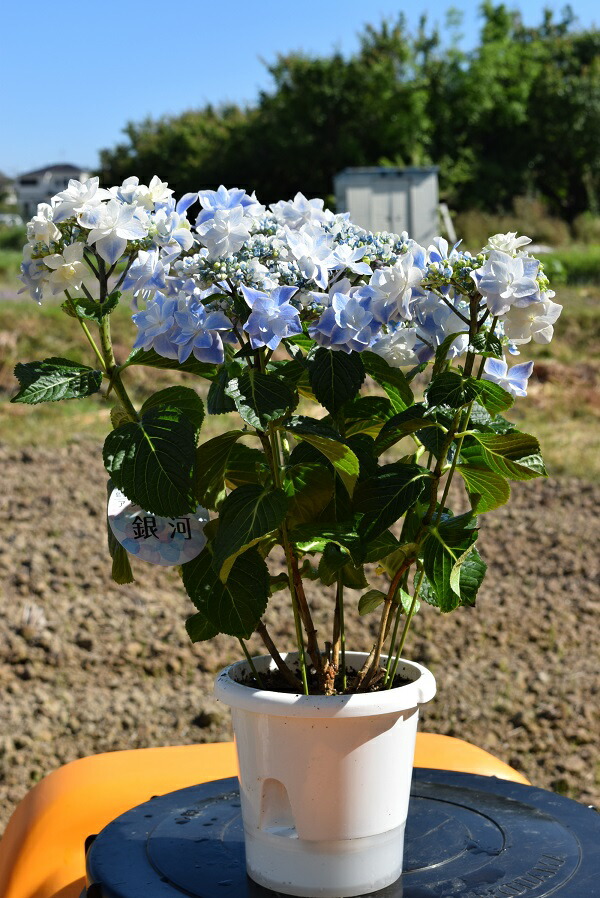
{"type": "Point", "coordinates": [155, 325]}
{"type": "Point", "coordinates": [346, 325]}
{"type": "Point", "coordinates": [200, 332]}
{"type": "Point", "coordinates": [217, 200]}
{"type": "Point", "coordinates": [514, 379]}
{"type": "Point", "coordinates": [505, 281]}
{"type": "Point", "coordinates": [146, 274]}
{"type": "Point", "coordinates": [272, 317]}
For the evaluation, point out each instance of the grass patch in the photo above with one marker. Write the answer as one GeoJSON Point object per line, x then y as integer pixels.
{"type": "Point", "coordinates": [575, 265]}
{"type": "Point", "coordinates": [562, 409]}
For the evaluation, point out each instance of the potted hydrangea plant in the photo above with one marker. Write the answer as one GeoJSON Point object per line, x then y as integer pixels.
{"type": "Point", "coordinates": [368, 374]}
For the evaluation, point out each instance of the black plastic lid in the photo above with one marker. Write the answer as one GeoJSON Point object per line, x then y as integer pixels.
{"type": "Point", "coordinates": [468, 836]}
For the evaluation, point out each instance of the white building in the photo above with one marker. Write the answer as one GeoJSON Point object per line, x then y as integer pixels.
{"type": "Point", "coordinates": [391, 199]}
{"type": "Point", "coordinates": [39, 186]}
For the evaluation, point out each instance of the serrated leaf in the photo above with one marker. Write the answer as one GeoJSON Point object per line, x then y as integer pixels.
{"type": "Point", "coordinates": [244, 465]}
{"type": "Point", "coordinates": [260, 398]}
{"type": "Point", "coordinates": [54, 379]}
{"type": "Point", "coordinates": [443, 549]}
{"type": "Point", "coordinates": [199, 628]}
{"type": "Point", "coordinates": [335, 377]}
{"type": "Point", "coordinates": [217, 401]}
{"type": "Point", "coordinates": [487, 345]}
{"type": "Point", "coordinates": [403, 424]}
{"type": "Point", "coordinates": [443, 349]}
{"type": "Point", "coordinates": [382, 546]}
{"type": "Point", "coordinates": [234, 607]}
{"type": "Point", "coordinates": [324, 439]}
{"type": "Point", "coordinates": [391, 379]}
{"type": "Point", "coordinates": [367, 415]}
{"type": "Point", "coordinates": [514, 455]}
{"type": "Point", "coordinates": [310, 538]}
{"type": "Point", "coordinates": [90, 309]}
{"type": "Point", "coordinates": [448, 389]}
{"type": "Point", "coordinates": [381, 500]}
{"type": "Point", "coordinates": [247, 514]}
{"type": "Point", "coordinates": [310, 489]}
{"type": "Point", "coordinates": [118, 416]}
{"type": "Point", "coordinates": [494, 398]}
{"type": "Point", "coordinates": [472, 574]}
{"type": "Point", "coordinates": [336, 561]}
{"type": "Point", "coordinates": [370, 601]}
{"type": "Point", "coordinates": [487, 489]}
{"type": "Point", "coordinates": [121, 571]}
{"type": "Point", "coordinates": [183, 398]}
{"type": "Point", "coordinates": [151, 461]}
{"type": "Point", "coordinates": [210, 465]}
{"type": "Point", "coordinates": [151, 359]}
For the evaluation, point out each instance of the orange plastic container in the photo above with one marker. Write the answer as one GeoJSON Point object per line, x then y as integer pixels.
{"type": "Point", "coordinates": [42, 850]}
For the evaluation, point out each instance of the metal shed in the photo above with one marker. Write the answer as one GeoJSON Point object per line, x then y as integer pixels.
{"type": "Point", "coordinates": [391, 199]}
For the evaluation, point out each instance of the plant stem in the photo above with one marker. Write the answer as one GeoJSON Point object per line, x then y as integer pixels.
{"type": "Point", "coordinates": [409, 617]}
{"type": "Point", "coordinates": [250, 661]}
{"type": "Point", "coordinates": [392, 644]}
{"type": "Point", "coordinates": [284, 670]}
{"type": "Point", "coordinates": [86, 330]}
{"type": "Point", "coordinates": [370, 666]}
{"type": "Point", "coordinates": [338, 655]}
{"type": "Point", "coordinates": [112, 369]}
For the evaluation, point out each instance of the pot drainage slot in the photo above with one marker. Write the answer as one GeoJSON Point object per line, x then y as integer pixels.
{"type": "Point", "coordinates": [276, 811]}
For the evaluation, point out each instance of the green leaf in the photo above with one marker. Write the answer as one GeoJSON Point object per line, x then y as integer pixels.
{"type": "Point", "coordinates": [472, 573]}
{"type": "Point", "coordinates": [392, 563]}
{"type": "Point", "coordinates": [247, 514]}
{"type": "Point", "coordinates": [487, 490]}
{"type": "Point", "coordinates": [487, 345]}
{"type": "Point", "coordinates": [200, 629]}
{"type": "Point", "coordinates": [467, 575]}
{"type": "Point", "coordinates": [121, 568]}
{"type": "Point", "coordinates": [260, 398]}
{"type": "Point", "coordinates": [494, 398]}
{"type": "Point", "coordinates": [383, 499]}
{"type": "Point", "coordinates": [449, 389]}
{"type": "Point", "coordinates": [335, 561]}
{"type": "Point", "coordinates": [118, 416]}
{"type": "Point", "coordinates": [310, 538]}
{"type": "Point", "coordinates": [443, 550]}
{"type": "Point", "coordinates": [90, 309]}
{"type": "Point", "coordinates": [211, 462]}
{"type": "Point", "coordinates": [367, 415]}
{"type": "Point", "coordinates": [244, 466]}
{"type": "Point", "coordinates": [234, 607]}
{"type": "Point", "coordinates": [311, 488]}
{"type": "Point", "coordinates": [443, 349]}
{"type": "Point", "coordinates": [391, 379]}
{"type": "Point", "coordinates": [335, 377]}
{"type": "Point", "coordinates": [324, 439]}
{"type": "Point", "coordinates": [151, 461]}
{"type": "Point", "coordinates": [151, 359]}
{"type": "Point", "coordinates": [409, 421]}
{"type": "Point", "coordinates": [183, 398]}
{"type": "Point", "coordinates": [54, 379]}
{"type": "Point", "coordinates": [514, 455]}
{"type": "Point", "coordinates": [370, 601]}
{"type": "Point", "coordinates": [217, 401]}
{"type": "Point", "coordinates": [380, 547]}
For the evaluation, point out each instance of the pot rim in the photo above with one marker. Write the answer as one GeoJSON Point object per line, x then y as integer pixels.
{"type": "Point", "coordinates": [421, 689]}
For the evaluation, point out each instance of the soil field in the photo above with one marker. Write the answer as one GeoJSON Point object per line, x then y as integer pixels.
{"type": "Point", "coordinates": [88, 666]}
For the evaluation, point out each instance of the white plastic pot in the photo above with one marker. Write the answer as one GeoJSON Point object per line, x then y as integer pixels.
{"type": "Point", "coordinates": [325, 780]}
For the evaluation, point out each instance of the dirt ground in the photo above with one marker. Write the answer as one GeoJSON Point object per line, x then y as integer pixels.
{"type": "Point", "coordinates": [88, 666]}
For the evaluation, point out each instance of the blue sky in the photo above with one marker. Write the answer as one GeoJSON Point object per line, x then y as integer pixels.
{"type": "Point", "coordinates": [74, 73]}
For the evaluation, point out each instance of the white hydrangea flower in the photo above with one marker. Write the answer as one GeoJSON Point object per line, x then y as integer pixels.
{"type": "Point", "coordinates": [225, 232]}
{"type": "Point", "coordinates": [41, 228]}
{"type": "Point", "coordinates": [68, 269]}
{"type": "Point", "coordinates": [111, 227]}
{"type": "Point", "coordinates": [300, 211]}
{"type": "Point", "coordinates": [506, 243]}
{"type": "Point", "coordinates": [77, 198]}
{"type": "Point", "coordinates": [392, 289]}
{"type": "Point", "coordinates": [534, 322]}
{"type": "Point", "coordinates": [398, 349]}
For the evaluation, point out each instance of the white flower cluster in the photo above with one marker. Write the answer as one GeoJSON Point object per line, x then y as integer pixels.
{"type": "Point", "coordinates": [245, 272]}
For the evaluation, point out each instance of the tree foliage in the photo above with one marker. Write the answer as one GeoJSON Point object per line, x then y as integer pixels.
{"type": "Point", "coordinates": [520, 113]}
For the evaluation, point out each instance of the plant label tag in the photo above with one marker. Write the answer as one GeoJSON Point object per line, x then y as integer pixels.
{"type": "Point", "coordinates": [166, 541]}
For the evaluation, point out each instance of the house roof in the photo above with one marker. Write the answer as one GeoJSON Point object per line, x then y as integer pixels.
{"type": "Point", "coordinates": [65, 167]}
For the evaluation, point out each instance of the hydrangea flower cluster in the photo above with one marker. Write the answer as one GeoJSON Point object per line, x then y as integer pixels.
{"type": "Point", "coordinates": [272, 273]}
